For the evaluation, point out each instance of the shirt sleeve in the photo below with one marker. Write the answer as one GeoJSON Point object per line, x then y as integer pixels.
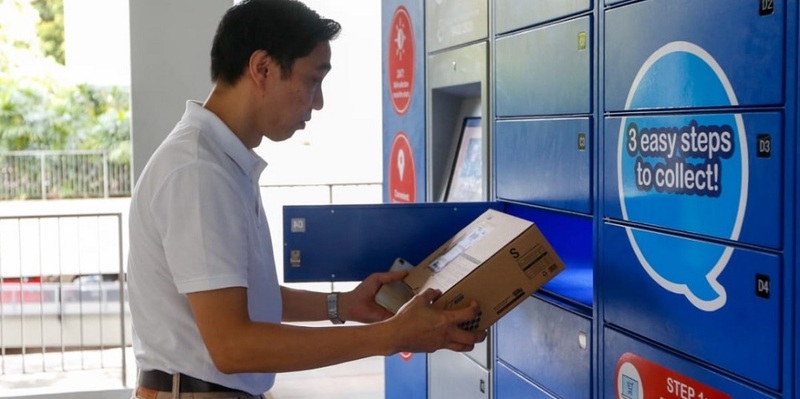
{"type": "Point", "coordinates": [202, 221]}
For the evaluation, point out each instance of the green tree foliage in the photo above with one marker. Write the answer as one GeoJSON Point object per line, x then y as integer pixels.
{"type": "Point", "coordinates": [30, 118]}
{"type": "Point", "coordinates": [49, 116]}
{"type": "Point", "coordinates": [50, 28]}
{"type": "Point", "coordinates": [106, 111]}
{"type": "Point", "coordinates": [40, 109]}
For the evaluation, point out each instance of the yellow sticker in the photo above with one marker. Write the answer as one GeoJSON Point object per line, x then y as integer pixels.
{"type": "Point", "coordinates": [582, 41]}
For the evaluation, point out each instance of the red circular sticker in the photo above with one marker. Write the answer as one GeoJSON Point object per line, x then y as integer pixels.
{"type": "Point", "coordinates": [401, 60]}
{"type": "Point", "coordinates": [406, 356]}
{"type": "Point", "coordinates": [402, 173]}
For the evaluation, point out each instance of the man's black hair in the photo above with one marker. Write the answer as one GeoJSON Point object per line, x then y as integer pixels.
{"type": "Point", "coordinates": [285, 29]}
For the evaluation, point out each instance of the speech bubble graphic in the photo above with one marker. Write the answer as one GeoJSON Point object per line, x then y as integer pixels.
{"type": "Point", "coordinates": [683, 172]}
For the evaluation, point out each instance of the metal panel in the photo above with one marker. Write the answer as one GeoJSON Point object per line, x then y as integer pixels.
{"type": "Point", "coordinates": [450, 23]}
{"type": "Point", "coordinates": [646, 372]}
{"type": "Point", "coordinates": [686, 53]}
{"type": "Point", "coordinates": [545, 71]}
{"type": "Point", "coordinates": [549, 345]}
{"type": "Point", "coordinates": [454, 375]}
{"type": "Point", "coordinates": [480, 353]}
{"type": "Point", "coordinates": [458, 67]}
{"type": "Point", "coordinates": [348, 242]}
{"type": "Point", "coordinates": [545, 162]}
{"type": "Point", "coordinates": [457, 88]}
{"type": "Point", "coordinates": [715, 303]}
{"type": "Point", "coordinates": [716, 175]}
{"type": "Point", "coordinates": [515, 14]}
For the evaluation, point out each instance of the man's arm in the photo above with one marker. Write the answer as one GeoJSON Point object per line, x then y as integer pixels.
{"type": "Point", "coordinates": [357, 305]}
{"type": "Point", "coordinates": [300, 305]}
{"type": "Point", "coordinates": [237, 344]}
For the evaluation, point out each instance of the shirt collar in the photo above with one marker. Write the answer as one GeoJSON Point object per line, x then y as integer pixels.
{"type": "Point", "coordinates": [215, 129]}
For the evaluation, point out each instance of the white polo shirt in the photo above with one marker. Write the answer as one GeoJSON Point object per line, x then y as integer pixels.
{"type": "Point", "coordinates": [197, 224]}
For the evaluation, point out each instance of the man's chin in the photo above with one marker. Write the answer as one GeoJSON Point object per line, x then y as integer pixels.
{"type": "Point", "coordinates": [283, 137]}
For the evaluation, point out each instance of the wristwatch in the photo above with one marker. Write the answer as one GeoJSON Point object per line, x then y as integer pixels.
{"type": "Point", "coordinates": [333, 308]}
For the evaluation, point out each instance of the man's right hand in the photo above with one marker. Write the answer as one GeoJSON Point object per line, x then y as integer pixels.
{"type": "Point", "coordinates": [418, 327]}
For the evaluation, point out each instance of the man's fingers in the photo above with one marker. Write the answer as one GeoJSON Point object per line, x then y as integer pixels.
{"type": "Point", "coordinates": [466, 337]}
{"type": "Point", "coordinates": [388, 277]}
{"type": "Point", "coordinates": [456, 347]}
{"type": "Point", "coordinates": [430, 295]}
{"type": "Point", "coordinates": [466, 314]}
{"type": "Point", "coordinates": [459, 347]}
{"type": "Point", "coordinates": [463, 340]}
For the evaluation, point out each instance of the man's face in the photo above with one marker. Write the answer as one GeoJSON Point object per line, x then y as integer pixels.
{"type": "Point", "coordinates": [293, 96]}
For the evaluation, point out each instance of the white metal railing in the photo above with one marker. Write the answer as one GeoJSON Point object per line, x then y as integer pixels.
{"type": "Point", "coordinates": [62, 174]}
{"type": "Point", "coordinates": [55, 309]}
{"type": "Point", "coordinates": [58, 315]}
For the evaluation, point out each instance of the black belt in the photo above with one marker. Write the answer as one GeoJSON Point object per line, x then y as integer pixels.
{"type": "Point", "coordinates": [161, 381]}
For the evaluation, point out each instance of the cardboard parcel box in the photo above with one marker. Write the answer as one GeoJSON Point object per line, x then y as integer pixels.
{"type": "Point", "coordinates": [498, 260]}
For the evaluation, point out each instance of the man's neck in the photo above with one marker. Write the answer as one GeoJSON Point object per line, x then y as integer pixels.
{"type": "Point", "coordinates": [231, 106]}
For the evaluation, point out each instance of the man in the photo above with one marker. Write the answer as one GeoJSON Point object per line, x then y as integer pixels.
{"type": "Point", "coordinates": [205, 300]}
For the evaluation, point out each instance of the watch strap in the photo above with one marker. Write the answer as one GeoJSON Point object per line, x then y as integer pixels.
{"type": "Point", "coordinates": [333, 308]}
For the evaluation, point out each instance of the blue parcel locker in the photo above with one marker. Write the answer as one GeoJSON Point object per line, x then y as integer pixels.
{"type": "Point", "coordinates": [511, 385]}
{"type": "Point", "coordinates": [716, 175]}
{"type": "Point", "coordinates": [348, 242]}
{"type": "Point", "coordinates": [406, 376]}
{"type": "Point", "coordinates": [635, 370]}
{"type": "Point", "coordinates": [515, 14]}
{"type": "Point", "coordinates": [688, 53]}
{"type": "Point", "coordinates": [404, 138]}
{"type": "Point", "coordinates": [403, 100]}
{"type": "Point", "coordinates": [572, 237]}
{"type": "Point", "coordinates": [545, 162]}
{"type": "Point", "coordinates": [611, 2]}
{"type": "Point", "coordinates": [716, 303]}
{"type": "Point", "coordinates": [545, 71]}
{"type": "Point", "coordinates": [549, 345]}
{"type": "Point", "coordinates": [450, 23]}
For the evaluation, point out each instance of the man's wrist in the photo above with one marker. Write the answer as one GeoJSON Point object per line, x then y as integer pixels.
{"type": "Point", "coordinates": [333, 308]}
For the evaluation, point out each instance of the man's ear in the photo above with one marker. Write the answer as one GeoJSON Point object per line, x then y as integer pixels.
{"type": "Point", "coordinates": [259, 66]}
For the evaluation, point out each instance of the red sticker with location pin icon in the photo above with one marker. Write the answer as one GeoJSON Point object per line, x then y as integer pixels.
{"type": "Point", "coordinates": [402, 173]}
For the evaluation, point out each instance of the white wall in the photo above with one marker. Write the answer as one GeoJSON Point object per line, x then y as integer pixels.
{"type": "Point", "coordinates": [170, 46]}
{"type": "Point", "coordinates": [97, 50]}
{"type": "Point", "coordinates": [343, 141]}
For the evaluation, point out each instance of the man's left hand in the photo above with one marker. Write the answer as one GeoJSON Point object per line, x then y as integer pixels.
{"type": "Point", "coordinates": [359, 304]}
